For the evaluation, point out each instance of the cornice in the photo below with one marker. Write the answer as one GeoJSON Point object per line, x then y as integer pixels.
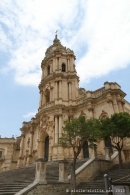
{"type": "Point", "coordinates": [57, 76]}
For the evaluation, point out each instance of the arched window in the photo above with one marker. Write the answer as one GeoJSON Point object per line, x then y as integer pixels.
{"type": "Point", "coordinates": [47, 95]}
{"type": "Point", "coordinates": [48, 69]}
{"type": "Point", "coordinates": [63, 68]}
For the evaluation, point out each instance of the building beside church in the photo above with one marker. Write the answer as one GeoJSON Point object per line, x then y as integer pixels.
{"type": "Point", "coordinates": [60, 100]}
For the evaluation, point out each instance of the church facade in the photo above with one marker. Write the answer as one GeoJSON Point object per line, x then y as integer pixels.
{"type": "Point", "coordinates": [60, 100]}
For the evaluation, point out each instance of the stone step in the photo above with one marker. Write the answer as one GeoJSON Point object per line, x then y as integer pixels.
{"type": "Point", "coordinates": [114, 173]}
{"type": "Point", "coordinates": [7, 193]}
{"type": "Point", "coordinates": [19, 178]}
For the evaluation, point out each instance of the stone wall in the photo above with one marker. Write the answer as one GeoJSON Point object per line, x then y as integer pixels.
{"type": "Point", "coordinates": [89, 172]}
{"type": "Point", "coordinates": [49, 189]}
{"type": "Point", "coordinates": [6, 147]}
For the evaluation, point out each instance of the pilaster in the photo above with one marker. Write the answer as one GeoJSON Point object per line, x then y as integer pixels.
{"type": "Point", "coordinates": [41, 146]}
{"type": "Point", "coordinates": [116, 110]}
{"type": "Point", "coordinates": [119, 102]}
{"type": "Point", "coordinates": [56, 129]}
{"type": "Point", "coordinates": [110, 102]}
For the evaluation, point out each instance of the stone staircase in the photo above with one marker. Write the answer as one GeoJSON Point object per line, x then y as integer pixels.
{"type": "Point", "coordinates": [114, 173]}
{"type": "Point", "coordinates": [14, 180]}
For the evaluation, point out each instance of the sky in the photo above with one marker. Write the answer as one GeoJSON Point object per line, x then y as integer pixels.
{"type": "Point", "coordinates": [98, 31]}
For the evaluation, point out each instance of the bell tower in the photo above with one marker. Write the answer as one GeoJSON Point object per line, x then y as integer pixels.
{"type": "Point", "coordinates": [59, 81]}
{"type": "Point", "coordinates": [58, 93]}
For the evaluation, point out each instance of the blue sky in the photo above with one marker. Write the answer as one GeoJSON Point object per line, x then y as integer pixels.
{"type": "Point", "coordinates": [97, 31]}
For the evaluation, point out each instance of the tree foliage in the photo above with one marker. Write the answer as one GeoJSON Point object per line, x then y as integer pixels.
{"type": "Point", "coordinates": [116, 128]}
{"type": "Point", "coordinates": [75, 133]}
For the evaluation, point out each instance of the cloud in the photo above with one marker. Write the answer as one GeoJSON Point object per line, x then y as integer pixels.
{"type": "Point", "coordinates": [107, 28]}
{"type": "Point", "coordinates": [30, 114]}
{"type": "Point", "coordinates": [29, 27]}
{"type": "Point", "coordinates": [98, 32]}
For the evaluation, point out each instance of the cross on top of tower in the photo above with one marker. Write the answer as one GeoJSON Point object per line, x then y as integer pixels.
{"type": "Point", "coordinates": [56, 34]}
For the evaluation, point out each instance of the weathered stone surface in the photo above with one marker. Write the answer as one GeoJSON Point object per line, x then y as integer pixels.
{"type": "Point", "coordinates": [57, 189]}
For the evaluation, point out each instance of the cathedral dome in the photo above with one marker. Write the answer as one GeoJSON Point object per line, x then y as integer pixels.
{"type": "Point", "coordinates": [57, 47]}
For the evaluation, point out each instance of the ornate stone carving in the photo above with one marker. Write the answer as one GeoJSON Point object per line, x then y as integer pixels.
{"type": "Point", "coordinates": [119, 98]}
{"type": "Point", "coordinates": [28, 142]}
{"type": "Point", "coordinates": [90, 106]}
{"type": "Point", "coordinates": [109, 98]}
{"type": "Point", "coordinates": [57, 47]}
{"type": "Point", "coordinates": [82, 91]}
{"type": "Point", "coordinates": [82, 113]}
{"type": "Point", "coordinates": [103, 114]}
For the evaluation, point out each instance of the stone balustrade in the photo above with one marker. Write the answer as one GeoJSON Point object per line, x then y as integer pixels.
{"type": "Point", "coordinates": [40, 174]}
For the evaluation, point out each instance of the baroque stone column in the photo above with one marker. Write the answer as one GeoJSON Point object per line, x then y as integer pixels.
{"type": "Point", "coordinates": [123, 105]}
{"type": "Point", "coordinates": [41, 143]}
{"type": "Point", "coordinates": [60, 89]}
{"type": "Point", "coordinates": [119, 102]}
{"type": "Point", "coordinates": [40, 102]}
{"type": "Point", "coordinates": [115, 105]}
{"type": "Point", "coordinates": [30, 146]}
{"type": "Point", "coordinates": [60, 64]}
{"type": "Point", "coordinates": [110, 102]}
{"type": "Point", "coordinates": [21, 145]}
{"type": "Point", "coordinates": [68, 65]}
{"type": "Point", "coordinates": [31, 141]}
{"type": "Point", "coordinates": [56, 89]}
{"type": "Point", "coordinates": [56, 129]}
{"type": "Point", "coordinates": [70, 91]}
{"type": "Point", "coordinates": [43, 98]}
{"type": "Point", "coordinates": [60, 125]}
{"type": "Point", "coordinates": [56, 64]}
{"type": "Point", "coordinates": [21, 151]}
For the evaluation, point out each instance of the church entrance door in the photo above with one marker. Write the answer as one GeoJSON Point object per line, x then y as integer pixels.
{"type": "Point", "coordinates": [46, 148]}
{"type": "Point", "coordinates": [85, 150]}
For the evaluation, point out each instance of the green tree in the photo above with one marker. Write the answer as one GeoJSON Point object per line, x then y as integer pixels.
{"type": "Point", "coordinates": [75, 133]}
{"type": "Point", "coordinates": [116, 128]}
